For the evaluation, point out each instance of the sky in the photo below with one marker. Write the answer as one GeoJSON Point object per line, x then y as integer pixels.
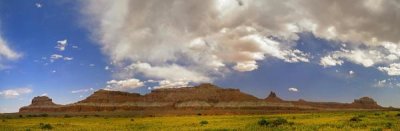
{"type": "Point", "coordinates": [301, 49]}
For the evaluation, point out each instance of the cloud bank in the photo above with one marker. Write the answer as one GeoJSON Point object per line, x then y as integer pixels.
{"type": "Point", "coordinates": [199, 41]}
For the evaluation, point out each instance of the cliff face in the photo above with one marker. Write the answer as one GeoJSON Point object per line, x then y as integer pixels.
{"type": "Point", "coordinates": [204, 96]}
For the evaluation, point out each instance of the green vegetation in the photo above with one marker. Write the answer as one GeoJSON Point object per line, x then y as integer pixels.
{"type": "Point", "coordinates": [203, 123]}
{"type": "Point", "coordinates": [45, 126]}
{"type": "Point", "coordinates": [369, 121]}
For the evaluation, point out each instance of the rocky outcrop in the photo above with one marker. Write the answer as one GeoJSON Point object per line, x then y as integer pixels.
{"type": "Point", "coordinates": [273, 98]}
{"type": "Point", "coordinates": [40, 104]}
{"type": "Point", "coordinates": [42, 101]}
{"type": "Point", "coordinates": [204, 97]}
{"type": "Point", "coordinates": [105, 96]}
{"type": "Point", "coordinates": [365, 102]}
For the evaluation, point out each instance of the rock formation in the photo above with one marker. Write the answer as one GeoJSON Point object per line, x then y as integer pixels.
{"type": "Point", "coordinates": [189, 99]}
{"type": "Point", "coordinates": [42, 101]}
{"type": "Point", "coordinates": [273, 98]}
{"type": "Point", "coordinates": [39, 104]}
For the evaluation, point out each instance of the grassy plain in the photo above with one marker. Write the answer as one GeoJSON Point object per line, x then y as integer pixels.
{"type": "Point", "coordinates": [361, 120]}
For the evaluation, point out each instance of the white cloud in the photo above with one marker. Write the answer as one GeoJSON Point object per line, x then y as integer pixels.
{"type": "Point", "coordinates": [38, 5]}
{"type": "Point", "coordinates": [171, 72]}
{"type": "Point", "coordinates": [392, 70]}
{"type": "Point", "coordinates": [292, 89]}
{"type": "Point", "coordinates": [383, 54]}
{"type": "Point", "coordinates": [217, 34]}
{"type": "Point", "coordinates": [13, 93]}
{"type": "Point", "coordinates": [55, 57]}
{"type": "Point", "coordinates": [7, 54]}
{"type": "Point", "coordinates": [351, 72]}
{"type": "Point", "coordinates": [61, 45]}
{"type": "Point", "coordinates": [171, 84]}
{"type": "Point", "coordinates": [44, 94]}
{"type": "Point", "coordinates": [330, 61]}
{"type": "Point", "coordinates": [82, 90]}
{"type": "Point", "coordinates": [245, 66]}
{"type": "Point", "coordinates": [106, 68]}
{"type": "Point", "coordinates": [164, 36]}
{"type": "Point", "coordinates": [124, 85]}
{"type": "Point", "coordinates": [387, 83]}
{"type": "Point", "coordinates": [68, 58]}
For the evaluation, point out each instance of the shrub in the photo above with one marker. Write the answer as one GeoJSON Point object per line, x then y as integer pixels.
{"type": "Point", "coordinates": [361, 115]}
{"type": "Point", "coordinates": [274, 123]}
{"type": "Point", "coordinates": [132, 119]}
{"type": "Point", "coordinates": [263, 122]}
{"type": "Point", "coordinates": [376, 129]}
{"type": "Point", "coordinates": [398, 114]}
{"type": "Point", "coordinates": [44, 115]}
{"type": "Point", "coordinates": [203, 123]}
{"type": "Point", "coordinates": [27, 129]}
{"type": "Point", "coordinates": [20, 116]}
{"type": "Point", "coordinates": [389, 125]}
{"type": "Point", "coordinates": [3, 120]}
{"type": "Point", "coordinates": [355, 119]}
{"type": "Point", "coordinates": [45, 126]}
{"type": "Point", "coordinates": [67, 116]}
{"type": "Point", "coordinates": [279, 121]}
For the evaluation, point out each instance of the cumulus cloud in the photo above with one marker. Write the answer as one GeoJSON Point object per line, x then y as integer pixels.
{"type": "Point", "coordinates": [392, 70]}
{"type": "Point", "coordinates": [292, 89]}
{"type": "Point", "coordinates": [172, 72]}
{"type": "Point", "coordinates": [61, 45]}
{"type": "Point", "coordinates": [330, 61]}
{"type": "Point", "coordinates": [124, 85]}
{"type": "Point", "coordinates": [386, 55]}
{"type": "Point", "coordinates": [245, 66]}
{"type": "Point", "coordinates": [171, 84]}
{"type": "Point", "coordinates": [13, 93]}
{"type": "Point", "coordinates": [208, 38]}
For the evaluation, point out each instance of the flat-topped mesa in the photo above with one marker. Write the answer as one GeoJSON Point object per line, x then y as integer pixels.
{"type": "Point", "coordinates": [107, 96]}
{"type": "Point", "coordinates": [40, 104]}
{"type": "Point", "coordinates": [273, 98]}
{"type": "Point", "coordinates": [204, 96]}
{"type": "Point", "coordinates": [366, 102]}
{"type": "Point", "coordinates": [203, 92]}
{"type": "Point", "coordinates": [42, 101]}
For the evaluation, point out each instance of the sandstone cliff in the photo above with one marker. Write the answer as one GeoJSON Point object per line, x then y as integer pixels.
{"type": "Point", "coordinates": [204, 96]}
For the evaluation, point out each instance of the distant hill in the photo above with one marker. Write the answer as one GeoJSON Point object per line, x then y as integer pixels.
{"type": "Point", "coordinates": [202, 98]}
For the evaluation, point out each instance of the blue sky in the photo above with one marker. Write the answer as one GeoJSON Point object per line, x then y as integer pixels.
{"type": "Point", "coordinates": [139, 46]}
